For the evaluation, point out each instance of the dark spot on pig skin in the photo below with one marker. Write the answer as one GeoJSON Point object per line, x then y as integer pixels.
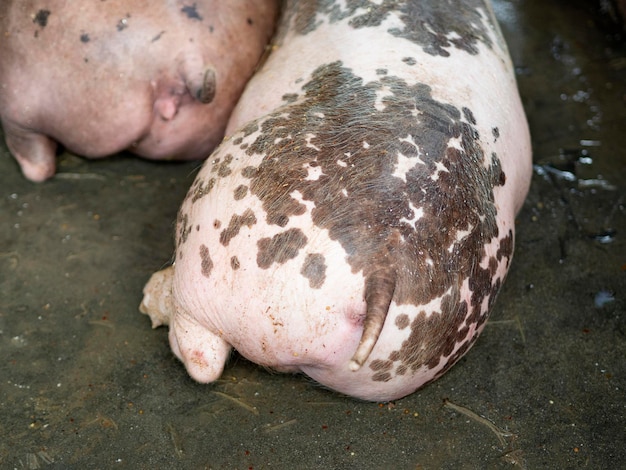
{"type": "Point", "coordinates": [222, 168]}
{"type": "Point", "coordinates": [200, 189]}
{"type": "Point", "coordinates": [41, 18]}
{"type": "Point", "coordinates": [314, 269]}
{"type": "Point", "coordinates": [402, 321]}
{"type": "Point", "coordinates": [506, 248]}
{"type": "Point", "coordinates": [496, 133]}
{"type": "Point", "coordinates": [280, 248]}
{"type": "Point", "coordinates": [84, 38]}
{"type": "Point", "coordinates": [217, 224]}
{"type": "Point", "coordinates": [469, 116]}
{"type": "Point", "coordinates": [123, 23]}
{"type": "Point", "coordinates": [191, 12]}
{"type": "Point", "coordinates": [158, 36]}
{"type": "Point", "coordinates": [207, 264]}
{"type": "Point", "coordinates": [380, 365]}
{"type": "Point", "coordinates": [381, 71]}
{"type": "Point", "coordinates": [381, 368]}
{"type": "Point", "coordinates": [250, 22]}
{"type": "Point", "coordinates": [409, 61]}
{"type": "Point", "coordinates": [183, 226]}
{"type": "Point", "coordinates": [250, 128]}
{"type": "Point", "coordinates": [234, 263]}
{"type": "Point", "coordinates": [240, 192]}
{"type": "Point", "coordinates": [493, 266]}
{"type": "Point", "coordinates": [290, 97]}
{"type": "Point", "coordinates": [382, 377]}
{"type": "Point", "coordinates": [236, 222]}
{"type": "Point", "coordinates": [501, 177]}
{"type": "Point", "coordinates": [248, 172]}
{"type": "Point", "coordinates": [427, 24]}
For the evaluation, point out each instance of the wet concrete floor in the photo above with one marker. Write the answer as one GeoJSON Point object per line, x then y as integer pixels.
{"type": "Point", "coordinates": [85, 382]}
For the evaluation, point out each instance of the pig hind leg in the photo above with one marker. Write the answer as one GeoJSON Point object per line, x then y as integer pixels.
{"type": "Point", "coordinates": [34, 152]}
{"type": "Point", "coordinates": [203, 352]}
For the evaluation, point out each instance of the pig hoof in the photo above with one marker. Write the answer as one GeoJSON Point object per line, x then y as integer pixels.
{"type": "Point", "coordinates": [209, 85]}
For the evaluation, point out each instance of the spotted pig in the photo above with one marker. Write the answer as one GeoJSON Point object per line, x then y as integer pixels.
{"type": "Point", "coordinates": [358, 223]}
{"type": "Point", "coordinates": [159, 79]}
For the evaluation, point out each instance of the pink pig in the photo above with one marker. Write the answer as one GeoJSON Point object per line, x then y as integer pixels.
{"type": "Point", "coordinates": [358, 222]}
{"type": "Point", "coordinates": [159, 79]}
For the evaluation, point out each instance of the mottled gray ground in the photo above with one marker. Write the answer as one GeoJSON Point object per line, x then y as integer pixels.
{"type": "Point", "coordinates": [85, 382]}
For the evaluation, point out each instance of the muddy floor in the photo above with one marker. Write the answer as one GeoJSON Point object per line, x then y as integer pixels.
{"type": "Point", "coordinates": [86, 383]}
